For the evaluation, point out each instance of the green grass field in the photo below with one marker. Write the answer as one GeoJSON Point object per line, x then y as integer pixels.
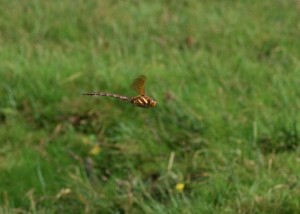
{"type": "Point", "coordinates": [224, 137]}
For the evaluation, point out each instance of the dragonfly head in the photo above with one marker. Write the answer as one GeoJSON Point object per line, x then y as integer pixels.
{"type": "Point", "coordinates": [152, 103]}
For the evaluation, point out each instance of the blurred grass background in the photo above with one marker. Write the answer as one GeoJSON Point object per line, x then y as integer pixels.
{"type": "Point", "coordinates": [226, 75]}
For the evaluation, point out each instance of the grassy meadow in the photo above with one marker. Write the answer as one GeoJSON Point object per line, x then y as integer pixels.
{"type": "Point", "coordinates": [223, 138]}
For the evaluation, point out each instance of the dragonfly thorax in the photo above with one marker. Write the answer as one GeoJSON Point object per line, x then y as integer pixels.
{"type": "Point", "coordinates": [143, 101]}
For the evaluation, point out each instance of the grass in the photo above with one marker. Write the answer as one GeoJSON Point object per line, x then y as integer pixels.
{"type": "Point", "coordinates": [226, 78]}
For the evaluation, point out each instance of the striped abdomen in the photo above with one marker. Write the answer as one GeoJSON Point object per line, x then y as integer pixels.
{"type": "Point", "coordinates": [109, 95]}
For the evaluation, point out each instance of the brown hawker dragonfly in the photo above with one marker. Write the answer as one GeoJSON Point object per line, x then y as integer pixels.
{"type": "Point", "coordinates": [139, 86]}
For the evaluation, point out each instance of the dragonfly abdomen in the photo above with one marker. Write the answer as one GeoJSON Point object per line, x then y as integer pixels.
{"type": "Point", "coordinates": [108, 95]}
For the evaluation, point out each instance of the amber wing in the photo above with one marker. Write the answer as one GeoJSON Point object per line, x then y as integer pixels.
{"type": "Point", "coordinates": [139, 84]}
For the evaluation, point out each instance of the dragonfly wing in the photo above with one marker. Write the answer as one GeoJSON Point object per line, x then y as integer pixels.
{"type": "Point", "coordinates": [139, 84]}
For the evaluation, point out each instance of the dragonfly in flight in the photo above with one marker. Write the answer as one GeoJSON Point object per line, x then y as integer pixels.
{"type": "Point", "coordinates": [138, 85]}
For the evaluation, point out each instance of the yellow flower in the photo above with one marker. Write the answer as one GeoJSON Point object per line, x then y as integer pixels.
{"type": "Point", "coordinates": [95, 150]}
{"type": "Point", "coordinates": [179, 187]}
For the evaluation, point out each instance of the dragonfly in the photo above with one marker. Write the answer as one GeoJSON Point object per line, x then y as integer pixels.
{"type": "Point", "coordinates": [138, 85]}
